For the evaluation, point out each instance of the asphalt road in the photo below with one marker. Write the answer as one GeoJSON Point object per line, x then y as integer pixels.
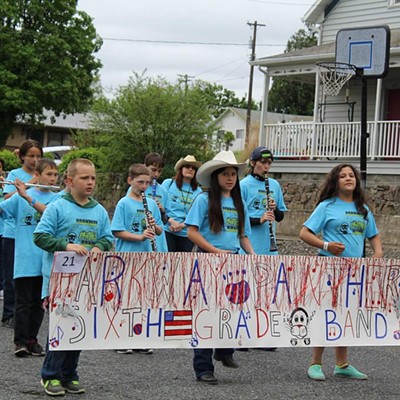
{"type": "Point", "coordinates": [168, 374]}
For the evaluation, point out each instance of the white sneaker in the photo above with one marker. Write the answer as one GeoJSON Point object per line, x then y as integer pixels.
{"type": "Point", "coordinates": [145, 351]}
{"type": "Point", "coordinates": [127, 351]}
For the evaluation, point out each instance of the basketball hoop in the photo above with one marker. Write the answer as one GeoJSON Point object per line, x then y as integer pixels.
{"type": "Point", "coordinates": [334, 75]}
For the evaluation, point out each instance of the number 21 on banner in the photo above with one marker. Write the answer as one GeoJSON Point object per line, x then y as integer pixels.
{"type": "Point", "coordinates": [68, 262]}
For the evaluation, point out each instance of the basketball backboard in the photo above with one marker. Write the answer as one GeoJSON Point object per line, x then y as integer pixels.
{"type": "Point", "coordinates": [367, 48]}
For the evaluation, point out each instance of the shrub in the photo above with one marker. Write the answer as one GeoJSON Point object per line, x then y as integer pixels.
{"type": "Point", "coordinates": [97, 157]}
{"type": "Point", "coordinates": [11, 161]}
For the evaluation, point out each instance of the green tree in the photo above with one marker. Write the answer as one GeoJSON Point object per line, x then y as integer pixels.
{"type": "Point", "coordinates": [151, 115]}
{"type": "Point", "coordinates": [294, 97]}
{"type": "Point", "coordinates": [46, 60]}
{"type": "Point", "coordinates": [219, 98]}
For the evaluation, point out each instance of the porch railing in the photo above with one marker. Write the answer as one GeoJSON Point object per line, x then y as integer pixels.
{"type": "Point", "coordinates": [309, 140]}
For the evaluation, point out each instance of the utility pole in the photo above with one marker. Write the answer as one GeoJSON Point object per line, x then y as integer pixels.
{"type": "Point", "coordinates": [250, 94]}
{"type": "Point", "coordinates": [185, 79]}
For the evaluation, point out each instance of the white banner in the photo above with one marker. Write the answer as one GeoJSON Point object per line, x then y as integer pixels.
{"type": "Point", "coordinates": [188, 300]}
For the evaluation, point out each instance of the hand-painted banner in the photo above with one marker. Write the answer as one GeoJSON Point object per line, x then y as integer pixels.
{"type": "Point", "coordinates": [188, 300]}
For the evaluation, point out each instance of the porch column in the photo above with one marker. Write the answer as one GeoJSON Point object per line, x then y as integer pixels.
{"type": "Point", "coordinates": [262, 140]}
{"type": "Point", "coordinates": [377, 116]}
{"type": "Point", "coordinates": [313, 149]}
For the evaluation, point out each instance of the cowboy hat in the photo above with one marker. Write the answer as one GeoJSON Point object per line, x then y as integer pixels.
{"type": "Point", "coordinates": [188, 160]}
{"type": "Point", "coordinates": [223, 159]}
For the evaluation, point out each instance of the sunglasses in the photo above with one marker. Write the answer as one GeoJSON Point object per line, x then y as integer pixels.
{"type": "Point", "coordinates": [187, 166]}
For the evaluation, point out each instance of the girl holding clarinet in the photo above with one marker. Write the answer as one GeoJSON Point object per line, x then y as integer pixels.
{"type": "Point", "coordinates": [341, 206]}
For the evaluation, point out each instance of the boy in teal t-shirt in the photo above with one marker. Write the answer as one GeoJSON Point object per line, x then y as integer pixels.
{"type": "Point", "coordinates": [64, 227]}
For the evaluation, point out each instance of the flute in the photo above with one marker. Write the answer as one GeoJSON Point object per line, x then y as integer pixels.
{"type": "Point", "coordinates": [273, 246]}
{"type": "Point", "coordinates": [148, 215]}
{"type": "Point", "coordinates": [36, 185]}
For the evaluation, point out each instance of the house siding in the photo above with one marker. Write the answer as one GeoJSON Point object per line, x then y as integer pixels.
{"type": "Point", "coordinates": [359, 13]}
{"type": "Point", "coordinates": [339, 113]}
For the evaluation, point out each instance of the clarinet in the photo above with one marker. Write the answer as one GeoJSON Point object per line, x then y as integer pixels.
{"type": "Point", "coordinates": [148, 215]}
{"type": "Point", "coordinates": [273, 246]}
{"type": "Point", "coordinates": [153, 188]}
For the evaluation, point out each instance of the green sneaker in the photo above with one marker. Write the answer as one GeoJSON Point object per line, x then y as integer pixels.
{"type": "Point", "coordinates": [53, 387]}
{"type": "Point", "coordinates": [73, 387]}
{"type": "Point", "coordinates": [315, 372]}
{"type": "Point", "coordinates": [349, 372]}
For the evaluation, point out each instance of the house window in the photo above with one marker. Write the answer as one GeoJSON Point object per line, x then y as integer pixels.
{"type": "Point", "coordinates": [220, 134]}
{"type": "Point", "coordinates": [58, 139]}
{"type": "Point", "coordinates": [239, 133]}
{"type": "Point", "coordinates": [36, 134]}
{"type": "Point", "coordinates": [394, 3]}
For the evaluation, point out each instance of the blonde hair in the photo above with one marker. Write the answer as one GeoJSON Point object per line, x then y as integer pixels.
{"type": "Point", "coordinates": [72, 169]}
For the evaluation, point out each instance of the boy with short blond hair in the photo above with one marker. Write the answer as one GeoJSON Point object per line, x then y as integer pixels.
{"type": "Point", "coordinates": [64, 227]}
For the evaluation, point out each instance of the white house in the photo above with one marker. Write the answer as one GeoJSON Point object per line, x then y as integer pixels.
{"type": "Point", "coordinates": [335, 130]}
{"type": "Point", "coordinates": [233, 120]}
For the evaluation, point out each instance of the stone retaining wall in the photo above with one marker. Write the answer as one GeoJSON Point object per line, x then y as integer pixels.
{"type": "Point", "coordinates": [300, 192]}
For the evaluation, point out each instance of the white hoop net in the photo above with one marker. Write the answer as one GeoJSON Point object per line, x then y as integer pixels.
{"type": "Point", "coordinates": [334, 75]}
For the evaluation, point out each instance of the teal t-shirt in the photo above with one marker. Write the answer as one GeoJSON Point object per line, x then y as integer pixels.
{"type": "Point", "coordinates": [254, 195]}
{"type": "Point", "coordinates": [180, 201]}
{"type": "Point", "coordinates": [129, 216]}
{"type": "Point", "coordinates": [73, 223]}
{"type": "Point", "coordinates": [339, 221]}
{"type": "Point", "coordinates": [9, 223]}
{"type": "Point", "coordinates": [27, 256]}
{"type": "Point", "coordinates": [228, 238]}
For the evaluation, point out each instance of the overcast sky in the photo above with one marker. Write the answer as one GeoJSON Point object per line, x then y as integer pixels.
{"type": "Point", "coordinates": [142, 34]}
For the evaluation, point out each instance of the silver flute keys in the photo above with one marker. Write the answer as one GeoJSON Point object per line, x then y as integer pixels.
{"type": "Point", "coordinates": [36, 185]}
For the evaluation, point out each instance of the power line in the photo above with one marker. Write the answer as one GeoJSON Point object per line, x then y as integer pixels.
{"type": "Point", "coordinates": [221, 65]}
{"type": "Point", "coordinates": [191, 43]}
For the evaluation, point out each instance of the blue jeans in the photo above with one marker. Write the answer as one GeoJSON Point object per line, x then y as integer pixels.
{"type": "Point", "coordinates": [61, 365]}
{"type": "Point", "coordinates": [8, 247]}
{"type": "Point", "coordinates": [202, 360]}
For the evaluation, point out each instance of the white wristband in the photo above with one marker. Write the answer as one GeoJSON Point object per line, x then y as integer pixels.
{"type": "Point", "coordinates": [325, 246]}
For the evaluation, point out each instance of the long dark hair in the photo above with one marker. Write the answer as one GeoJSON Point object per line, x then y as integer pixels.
{"type": "Point", "coordinates": [330, 188]}
{"type": "Point", "coordinates": [215, 215]}
{"type": "Point", "coordinates": [179, 180]}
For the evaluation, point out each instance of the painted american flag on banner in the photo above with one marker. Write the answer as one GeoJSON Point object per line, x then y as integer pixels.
{"type": "Point", "coordinates": [178, 324]}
